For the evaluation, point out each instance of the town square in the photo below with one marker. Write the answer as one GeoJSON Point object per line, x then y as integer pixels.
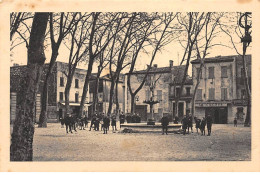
{"type": "Point", "coordinates": [130, 86]}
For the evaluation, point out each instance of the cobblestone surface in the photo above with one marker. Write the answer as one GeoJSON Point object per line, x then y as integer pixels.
{"type": "Point", "coordinates": [225, 143]}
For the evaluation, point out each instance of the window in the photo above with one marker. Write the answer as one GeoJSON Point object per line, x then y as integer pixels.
{"type": "Point", "coordinates": [147, 94]}
{"type": "Point", "coordinates": [198, 70]}
{"type": "Point", "coordinates": [211, 72]}
{"type": "Point", "coordinates": [76, 83]}
{"type": "Point", "coordinates": [199, 94]}
{"type": "Point", "coordinates": [61, 81]}
{"type": "Point", "coordinates": [224, 94]}
{"type": "Point", "coordinates": [188, 91]}
{"type": "Point", "coordinates": [159, 95]}
{"type": "Point", "coordinates": [211, 93]}
{"type": "Point", "coordinates": [61, 96]}
{"type": "Point", "coordinates": [224, 72]}
{"type": "Point", "coordinates": [177, 91]}
{"type": "Point", "coordinates": [76, 97]}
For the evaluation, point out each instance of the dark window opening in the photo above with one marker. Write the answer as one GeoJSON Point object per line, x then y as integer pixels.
{"type": "Point", "coordinates": [188, 91]}
{"type": "Point", "coordinates": [76, 97]}
{"type": "Point", "coordinates": [211, 73]}
{"type": "Point", "coordinates": [76, 83]}
{"type": "Point", "coordinates": [61, 96]}
{"type": "Point", "coordinates": [61, 81]}
{"type": "Point", "coordinates": [224, 72]}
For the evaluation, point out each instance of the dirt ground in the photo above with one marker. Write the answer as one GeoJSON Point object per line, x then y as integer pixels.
{"type": "Point", "coordinates": [225, 143]}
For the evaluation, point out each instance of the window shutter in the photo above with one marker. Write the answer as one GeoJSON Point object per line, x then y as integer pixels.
{"type": "Point", "coordinates": [199, 94]}
{"type": "Point", "coordinates": [211, 94]}
{"type": "Point", "coordinates": [222, 94]}
{"type": "Point", "coordinates": [225, 94]}
{"type": "Point", "coordinates": [211, 72]}
{"type": "Point", "coordinates": [224, 72]}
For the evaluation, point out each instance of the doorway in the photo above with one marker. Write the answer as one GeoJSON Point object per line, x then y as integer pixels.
{"type": "Point", "coordinates": [219, 115]}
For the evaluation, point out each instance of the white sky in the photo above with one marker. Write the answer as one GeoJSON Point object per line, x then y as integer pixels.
{"type": "Point", "coordinates": [172, 51]}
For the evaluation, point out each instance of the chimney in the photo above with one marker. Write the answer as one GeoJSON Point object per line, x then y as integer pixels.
{"type": "Point", "coordinates": [171, 63]}
{"type": "Point", "coordinates": [155, 65]}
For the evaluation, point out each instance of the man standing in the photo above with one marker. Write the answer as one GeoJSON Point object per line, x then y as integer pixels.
{"type": "Point", "coordinates": [184, 124]}
{"type": "Point", "coordinates": [93, 121]}
{"type": "Point", "coordinates": [190, 123]}
{"type": "Point", "coordinates": [106, 122]}
{"type": "Point", "coordinates": [113, 123]}
{"type": "Point", "coordinates": [209, 124]}
{"type": "Point", "coordinates": [165, 123]}
{"type": "Point", "coordinates": [235, 122]}
{"type": "Point", "coordinates": [202, 126]}
{"type": "Point", "coordinates": [122, 118]}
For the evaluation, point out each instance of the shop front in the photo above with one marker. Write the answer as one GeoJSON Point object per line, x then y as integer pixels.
{"type": "Point", "coordinates": [217, 110]}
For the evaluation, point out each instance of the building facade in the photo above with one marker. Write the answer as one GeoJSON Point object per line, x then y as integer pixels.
{"type": "Point", "coordinates": [56, 88]}
{"type": "Point", "coordinates": [161, 84]}
{"type": "Point", "coordinates": [221, 90]}
{"type": "Point", "coordinates": [104, 94]}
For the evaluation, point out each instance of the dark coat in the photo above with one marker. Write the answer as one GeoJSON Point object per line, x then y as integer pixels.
{"type": "Point", "coordinates": [106, 122]}
{"type": "Point", "coordinates": [165, 121]}
{"type": "Point", "coordinates": [113, 123]}
{"type": "Point", "coordinates": [203, 124]}
{"type": "Point", "coordinates": [198, 121]}
{"type": "Point", "coordinates": [209, 121]}
{"type": "Point", "coordinates": [184, 123]}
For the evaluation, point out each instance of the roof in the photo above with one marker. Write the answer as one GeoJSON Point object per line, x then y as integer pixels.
{"type": "Point", "coordinates": [159, 70]}
{"type": "Point", "coordinates": [218, 59]}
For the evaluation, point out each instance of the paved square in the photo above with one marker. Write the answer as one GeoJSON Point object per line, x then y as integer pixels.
{"type": "Point", "coordinates": [226, 143]}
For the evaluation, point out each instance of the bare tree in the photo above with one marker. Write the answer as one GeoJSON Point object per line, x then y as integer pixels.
{"type": "Point", "coordinates": [245, 37]}
{"type": "Point", "coordinates": [210, 32]}
{"type": "Point", "coordinates": [192, 24]}
{"type": "Point", "coordinates": [100, 36]}
{"type": "Point", "coordinates": [23, 130]}
{"type": "Point", "coordinates": [17, 18]}
{"type": "Point", "coordinates": [163, 31]}
{"type": "Point", "coordinates": [120, 46]}
{"type": "Point", "coordinates": [78, 50]}
{"type": "Point", "coordinates": [64, 25]}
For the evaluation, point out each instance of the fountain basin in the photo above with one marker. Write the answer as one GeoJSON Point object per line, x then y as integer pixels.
{"type": "Point", "coordinates": [143, 127]}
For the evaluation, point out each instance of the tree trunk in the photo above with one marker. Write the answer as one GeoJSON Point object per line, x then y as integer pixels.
{"type": "Point", "coordinates": [132, 103]}
{"type": "Point", "coordinates": [111, 96]}
{"type": "Point", "coordinates": [95, 94]}
{"type": "Point", "coordinates": [85, 88]}
{"type": "Point", "coordinates": [21, 148]}
{"type": "Point", "coordinates": [248, 113]}
{"type": "Point", "coordinates": [44, 95]}
{"type": "Point", "coordinates": [67, 90]}
{"type": "Point", "coordinates": [117, 101]}
{"type": "Point", "coordinates": [195, 90]}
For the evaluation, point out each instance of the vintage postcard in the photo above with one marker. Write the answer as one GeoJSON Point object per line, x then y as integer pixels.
{"type": "Point", "coordinates": [130, 86]}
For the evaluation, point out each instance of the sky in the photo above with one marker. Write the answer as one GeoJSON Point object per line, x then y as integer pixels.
{"type": "Point", "coordinates": [172, 51]}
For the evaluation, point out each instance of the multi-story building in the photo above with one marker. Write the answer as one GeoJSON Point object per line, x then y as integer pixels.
{"type": "Point", "coordinates": [104, 94]}
{"type": "Point", "coordinates": [221, 90]}
{"type": "Point", "coordinates": [164, 81]}
{"type": "Point", "coordinates": [56, 88]}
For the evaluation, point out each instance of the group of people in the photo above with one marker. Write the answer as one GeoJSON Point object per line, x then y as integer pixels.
{"type": "Point", "coordinates": [187, 124]}
{"type": "Point", "coordinates": [201, 124]}
{"type": "Point", "coordinates": [104, 121]}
